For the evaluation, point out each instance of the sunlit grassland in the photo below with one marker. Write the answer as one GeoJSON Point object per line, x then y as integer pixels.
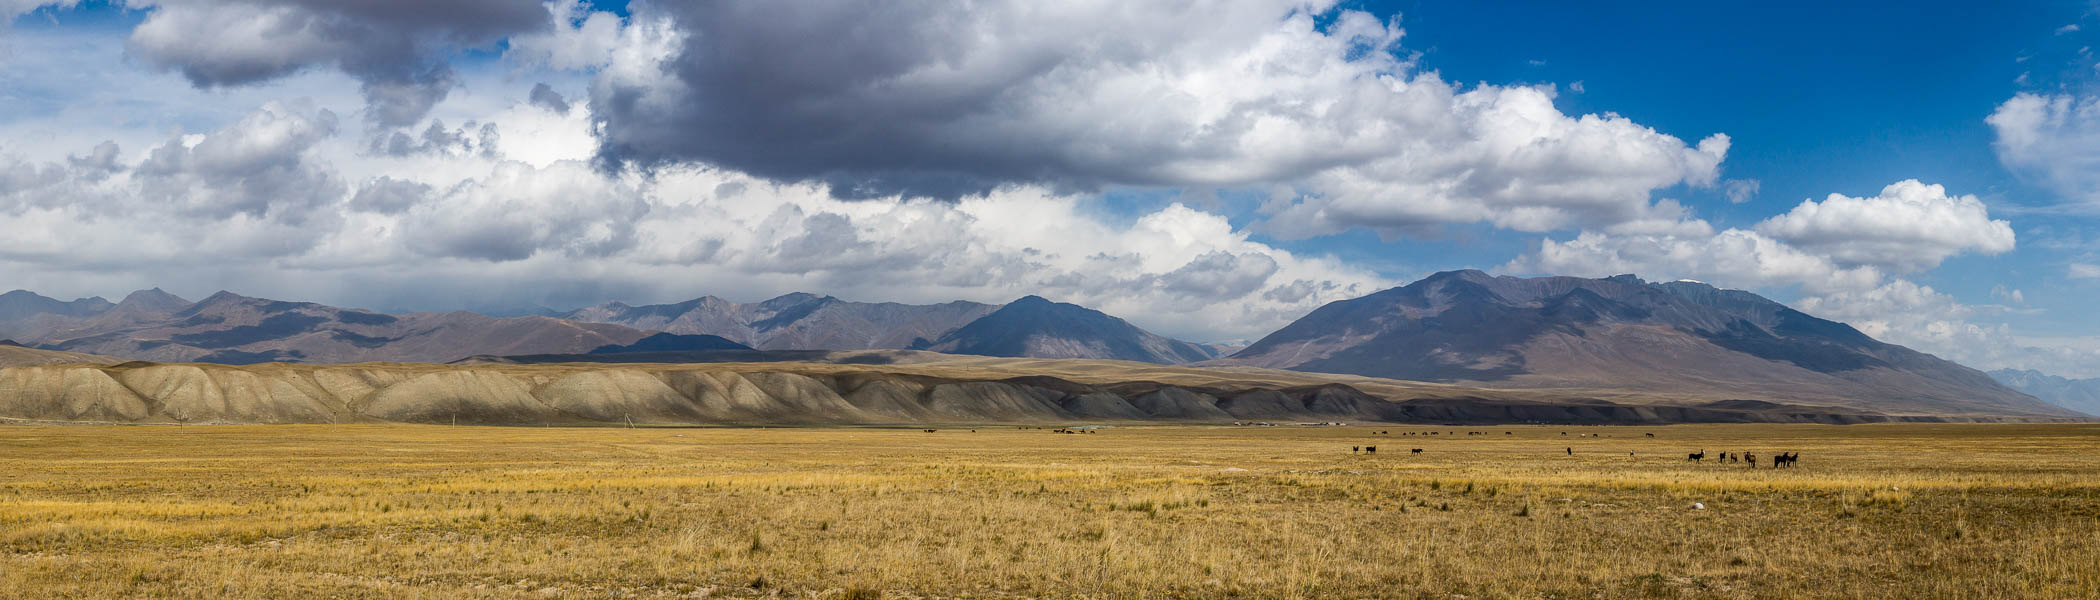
{"type": "Point", "coordinates": [1881, 511]}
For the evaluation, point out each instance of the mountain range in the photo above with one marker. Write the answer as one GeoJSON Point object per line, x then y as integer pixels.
{"type": "Point", "coordinates": [2082, 395]}
{"type": "Point", "coordinates": [228, 328]}
{"type": "Point", "coordinates": [795, 321]}
{"type": "Point", "coordinates": [233, 329]}
{"type": "Point", "coordinates": [1682, 343]}
{"type": "Point", "coordinates": [1622, 333]}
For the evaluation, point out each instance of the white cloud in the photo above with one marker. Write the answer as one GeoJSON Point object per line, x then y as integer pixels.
{"type": "Point", "coordinates": [959, 100]}
{"type": "Point", "coordinates": [13, 9]}
{"type": "Point", "coordinates": [1838, 256]}
{"type": "Point", "coordinates": [2083, 271]}
{"type": "Point", "coordinates": [2071, 28]}
{"type": "Point", "coordinates": [577, 38]}
{"type": "Point", "coordinates": [1732, 257]}
{"type": "Point", "coordinates": [448, 229]}
{"type": "Point", "coordinates": [2053, 138]}
{"type": "Point", "coordinates": [2009, 295]}
{"type": "Point", "coordinates": [1740, 190]}
{"type": "Point", "coordinates": [1911, 226]}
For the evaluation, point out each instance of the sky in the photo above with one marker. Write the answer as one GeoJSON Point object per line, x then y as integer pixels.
{"type": "Point", "coordinates": [1209, 170]}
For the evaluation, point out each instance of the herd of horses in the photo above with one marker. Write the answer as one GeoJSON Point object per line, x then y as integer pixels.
{"type": "Point", "coordinates": [1781, 460]}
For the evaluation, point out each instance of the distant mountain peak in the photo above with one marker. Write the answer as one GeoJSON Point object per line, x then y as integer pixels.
{"type": "Point", "coordinates": [1033, 326]}
{"type": "Point", "coordinates": [1621, 332]}
{"type": "Point", "coordinates": [1627, 278]}
{"type": "Point", "coordinates": [19, 304]}
{"type": "Point", "coordinates": [1034, 301]}
{"type": "Point", "coordinates": [222, 296]}
{"type": "Point", "coordinates": [153, 299]}
{"type": "Point", "coordinates": [796, 321]}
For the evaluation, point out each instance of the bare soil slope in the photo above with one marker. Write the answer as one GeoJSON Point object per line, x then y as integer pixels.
{"type": "Point", "coordinates": [863, 387]}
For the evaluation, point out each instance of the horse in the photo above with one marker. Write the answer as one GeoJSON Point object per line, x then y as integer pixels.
{"type": "Point", "coordinates": [1696, 456]}
{"type": "Point", "coordinates": [1752, 459]}
{"type": "Point", "coordinates": [1417, 451]}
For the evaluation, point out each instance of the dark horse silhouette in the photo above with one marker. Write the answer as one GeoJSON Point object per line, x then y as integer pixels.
{"type": "Point", "coordinates": [1696, 456]}
{"type": "Point", "coordinates": [1785, 459]}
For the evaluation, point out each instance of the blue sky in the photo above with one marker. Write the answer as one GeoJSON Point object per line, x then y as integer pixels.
{"type": "Point", "coordinates": [412, 165]}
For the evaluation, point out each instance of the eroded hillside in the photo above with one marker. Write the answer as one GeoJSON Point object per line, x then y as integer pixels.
{"type": "Point", "coordinates": [804, 393]}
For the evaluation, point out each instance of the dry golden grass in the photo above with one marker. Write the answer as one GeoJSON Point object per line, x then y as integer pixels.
{"type": "Point", "coordinates": [1882, 511]}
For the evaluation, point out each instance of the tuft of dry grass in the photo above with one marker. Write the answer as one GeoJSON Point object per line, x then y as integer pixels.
{"type": "Point", "coordinates": [1940, 511]}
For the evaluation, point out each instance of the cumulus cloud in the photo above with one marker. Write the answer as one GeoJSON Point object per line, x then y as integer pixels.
{"type": "Point", "coordinates": [257, 166]}
{"type": "Point", "coordinates": [390, 196]}
{"type": "Point", "coordinates": [1911, 226]}
{"type": "Point", "coordinates": [1841, 257]}
{"type": "Point", "coordinates": [517, 211]}
{"type": "Point", "coordinates": [2054, 139]}
{"type": "Point", "coordinates": [396, 48]}
{"type": "Point", "coordinates": [544, 96]}
{"type": "Point", "coordinates": [953, 100]}
{"type": "Point", "coordinates": [469, 139]}
{"type": "Point", "coordinates": [25, 184]}
{"type": "Point", "coordinates": [1740, 190]}
{"type": "Point", "coordinates": [576, 38]}
{"type": "Point", "coordinates": [221, 209]}
{"type": "Point", "coordinates": [252, 191]}
{"type": "Point", "coordinates": [1732, 257]}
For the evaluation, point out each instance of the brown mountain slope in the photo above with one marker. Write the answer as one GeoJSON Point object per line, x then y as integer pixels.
{"type": "Point", "coordinates": [1470, 328]}
{"type": "Point", "coordinates": [795, 321]}
{"type": "Point", "coordinates": [234, 329]}
{"type": "Point", "coordinates": [15, 355]}
{"type": "Point", "coordinates": [1036, 327]}
{"type": "Point", "coordinates": [932, 390]}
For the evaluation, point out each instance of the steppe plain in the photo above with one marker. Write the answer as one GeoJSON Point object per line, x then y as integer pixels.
{"type": "Point", "coordinates": [433, 511]}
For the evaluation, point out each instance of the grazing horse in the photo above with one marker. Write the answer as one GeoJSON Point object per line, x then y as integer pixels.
{"type": "Point", "coordinates": [1370, 449]}
{"type": "Point", "coordinates": [1752, 459]}
{"type": "Point", "coordinates": [1651, 435]}
{"type": "Point", "coordinates": [1785, 459]}
{"type": "Point", "coordinates": [1418, 451]}
{"type": "Point", "coordinates": [1354, 449]}
{"type": "Point", "coordinates": [1696, 456]}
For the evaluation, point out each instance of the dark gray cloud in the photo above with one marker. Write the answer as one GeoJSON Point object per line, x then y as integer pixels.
{"type": "Point", "coordinates": [469, 139]}
{"type": "Point", "coordinates": [1219, 274]}
{"type": "Point", "coordinates": [545, 97]}
{"type": "Point", "coordinates": [389, 196]}
{"type": "Point", "coordinates": [396, 48]}
{"type": "Point", "coordinates": [948, 100]}
{"type": "Point", "coordinates": [920, 99]}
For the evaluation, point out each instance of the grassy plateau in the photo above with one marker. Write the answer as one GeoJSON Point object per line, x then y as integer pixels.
{"type": "Point", "coordinates": [356, 511]}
